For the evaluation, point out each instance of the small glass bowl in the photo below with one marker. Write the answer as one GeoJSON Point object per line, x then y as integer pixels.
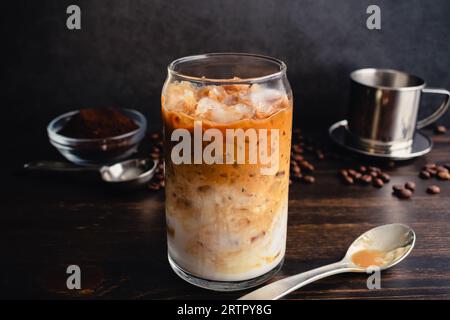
{"type": "Point", "coordinates": [97, 151]}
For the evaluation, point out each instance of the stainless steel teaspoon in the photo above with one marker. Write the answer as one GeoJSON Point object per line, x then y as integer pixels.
{"type": "Point", "coordinates": [394, 240]}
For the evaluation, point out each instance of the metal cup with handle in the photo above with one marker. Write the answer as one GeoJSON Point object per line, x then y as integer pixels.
{"type": "Point", "coordinates": [383, 109]}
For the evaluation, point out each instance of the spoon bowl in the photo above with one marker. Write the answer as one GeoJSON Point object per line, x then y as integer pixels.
{"type": "Point", "coordinates": [394, 240]}
{"type": "Point", "coordinates": [129, 173]}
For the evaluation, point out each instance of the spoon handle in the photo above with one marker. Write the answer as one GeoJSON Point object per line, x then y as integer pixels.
{"type": "Point", "coordinates": [56, 166]}
{"type": "Point", "coordinates": [280, 288]}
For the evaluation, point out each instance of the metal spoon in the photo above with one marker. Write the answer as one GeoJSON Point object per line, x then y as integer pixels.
{"type": "Point", "coordinates": [396, 240]}
{"type": "Point", "coordinates": [128, 173]}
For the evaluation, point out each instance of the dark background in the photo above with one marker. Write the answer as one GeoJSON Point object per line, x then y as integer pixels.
{"type": "Point", "coordinates": [119, 57]}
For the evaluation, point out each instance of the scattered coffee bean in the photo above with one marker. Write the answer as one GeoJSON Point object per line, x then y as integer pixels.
{"type": "Point", "coordinates": [154, 186]}
{"type": "Point", "coordinates": [374, 174]}
{"type": "Point", "coordinates": [425, 174]}
{"type": "Point", "coordinates": [366, 179]}
{"type": "Point", "coordinates": [410, 186]}
{"type": "Point", "coordinates": [429, 166]}
{"type": "Point", "coordinates": [443, 175]}
{"type": "Point", "coordinates": [155, 155]}
{"type": "Point", "coordinates": [296, 169]}
{"type": "Point", "coordinates": [362, 169]}
{"type": "Point", "coordinates": [404, 194]}
{"type": "Point", "coordinates": [343, 173]}
{"type": "Point", "coordinates": [296, 148]}
{"type": "Point", "coordinates": [397, 188]}
{"type": "Point", "coordinates": [155, 136]}
{"type": "Point", "coordinates": [375, 169]}
{"type": "Point", "coordinates": [298, 157]}
{"type": "Point", "coordinates": [357, 176]}
{"type": "Point", "coordinates": [348, 180]}
{"type": "Point", "coordinates": [308, 179]}
{"type": "Point", "coordinates": [433, 189]}
{"type": "Point", "coordinates": [297, 175]}
{"type": "Point", "coordinates": [378, 183]}
{"type": "Point", "coordinates": [385, 177]}
{"type": "Point", "coordinates": [352, 172]}
{"type": "Point", "coordinates": [441, 168]}
{"type": "Point", "coordinates": [320, 155]}
{"type": "Point", "coordinates": [306, 165]}
{"type": "Point", "coordinates": [156, 149]}
{"type": "Point", "coordinates": [440, 129]}
{"type": "Point", "coordinates": [432, 172]}
{"type": "Point", "coordinates": [290, 181]}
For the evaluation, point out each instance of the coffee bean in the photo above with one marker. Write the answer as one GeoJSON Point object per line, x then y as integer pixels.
{"type": "Point", "coordinates": [154, 186]}
{"type": "Point", "coordinates": [343, 173]}
{"type": "Point", "coordinates": [443, 175]}
{"type": "Point", "coordinates": [397, 188]}
{"type": "Point", "coordinates": [410, 185]}
{"type": "Point", "coordinates": [320, 155]}
{"type": "Point", "coordinates": [429, 166]}
{"type": "Point", "coordinates": [308, 179]}
{"type": "Point", "coordinates": [351, 172]}
{"type": "Point", "coordinates": [290, 181]}
{"type": "Point", "coordinates": [156, 150]}
{"type": "Point", "coordinates": [297, 175]}
{"type": "Point", "coordinates": [155, 155]}
{"type": "Point", "coordinates": [374, 174]}
{"type": "Point", "coordinates": [447, 165]}
{"type": "Point", "coordinates": [357, 176]}
{"type": "Point", "coordinates": [296, 169]}
{"type": "Point", "coordinates": [306, 165]}
{"type": "Point", "coordinates": [440, 129]}
{"type": "Point", "coordinates": [297, 148]}
{"type": "Point", "coordinates": [404, 194]}
{"type": "Point", "coordinates": [441, 168]}
{"type": "Point", "coordinates": [159, 176]}
{"type": "Point", "coordinates": [298, 157]}
{"type": "Point", "coordinates": [155, 136]}
{"type": "Point", "coordinates": [362, 169]}
{"type": "Point", "coordinates": [366, 179]}
{"type": "Point", "coordinates": [385, 177]}
{"type": "Point", "coordinates": [348, 180]}
{"type": "Point", "coordinates": [432, 172]}
{"type": "Point", "coordinates": [375, 169]}
{"type": "Point", "coordinates": [162, 183]}
{"type": "Point", "coordinates": [425, 174]}
{"type": "Point", "coordinates": [433, 189]}
{"type": "Point", "coordinates": [378, 183]}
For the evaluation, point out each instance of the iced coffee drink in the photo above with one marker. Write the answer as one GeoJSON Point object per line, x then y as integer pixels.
{"type": "Point", "coordinates": [227, 131]}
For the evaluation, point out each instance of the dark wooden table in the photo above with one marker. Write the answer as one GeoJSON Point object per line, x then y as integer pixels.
{"type": "Point", "coordinates": [119, 239]}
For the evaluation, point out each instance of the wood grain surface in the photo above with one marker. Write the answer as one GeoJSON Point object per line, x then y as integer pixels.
{"type": "Point", "coordinates": [119, 240]}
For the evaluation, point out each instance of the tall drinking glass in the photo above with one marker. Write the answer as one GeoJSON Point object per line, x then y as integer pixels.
{"type": "Point", "coordinates": [227, 138]}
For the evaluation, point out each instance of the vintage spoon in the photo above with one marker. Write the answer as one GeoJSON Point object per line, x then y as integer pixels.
{"type": "Point", "coordinates": [128, 173]}
{"type": "Point", "coordinates": [392, 242]}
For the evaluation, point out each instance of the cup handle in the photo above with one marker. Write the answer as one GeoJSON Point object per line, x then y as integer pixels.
{"type": "Point", "coordinates": [439, 112]}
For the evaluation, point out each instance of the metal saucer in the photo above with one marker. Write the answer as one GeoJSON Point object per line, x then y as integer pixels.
{"type": "Point", "coordinates": [421, 144]}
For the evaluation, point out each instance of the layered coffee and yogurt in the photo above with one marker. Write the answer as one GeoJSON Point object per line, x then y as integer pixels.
{"type": "Point", "coordinates": [226, 222]}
